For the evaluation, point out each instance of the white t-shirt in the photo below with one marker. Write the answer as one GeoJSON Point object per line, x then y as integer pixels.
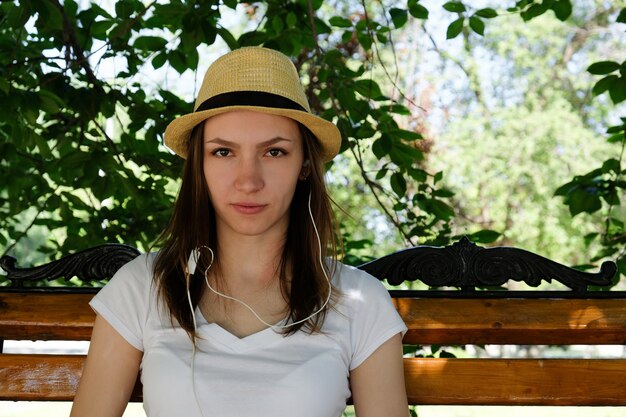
{"type": "Point", "coordinates": [265, 374]}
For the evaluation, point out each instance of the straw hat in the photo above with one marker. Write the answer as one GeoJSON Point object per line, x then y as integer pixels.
{"type": "Point", "coordinates": [256, 79]}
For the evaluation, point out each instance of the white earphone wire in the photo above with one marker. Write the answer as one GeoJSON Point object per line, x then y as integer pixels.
{"type": "Point", "coordinates": [191, 268]}
{"type": "Point", "coordinates": [192, 262]}
{"type": "Point", "coordinates": [274, 326]}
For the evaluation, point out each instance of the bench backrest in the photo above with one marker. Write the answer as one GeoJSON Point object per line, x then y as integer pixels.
{"type": "Point", "coordinates": [433, 317]}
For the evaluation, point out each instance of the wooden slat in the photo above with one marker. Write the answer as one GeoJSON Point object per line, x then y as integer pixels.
{"type": "Point", "coordinates": [430, 321]}
{"type": "Point", "coordinates": [560, 382]}
{"type": "Point", "coordinates": [43, 377]}
{"type": "Point", "coordinates": [513, 321]}
{"type": "Point", "coordinates": [41, 316]}
{"type": "Point", "coordinates": [432, 381]}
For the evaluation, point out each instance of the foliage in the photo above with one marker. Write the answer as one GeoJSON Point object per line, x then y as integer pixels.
{"type": "Point", "coordinates": [516, 126]}
{"type": "Point", "coordinates": [81, 154]}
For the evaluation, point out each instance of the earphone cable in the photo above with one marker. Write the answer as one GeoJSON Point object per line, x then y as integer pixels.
{"type": "Point", "coordinates": [194, 256]}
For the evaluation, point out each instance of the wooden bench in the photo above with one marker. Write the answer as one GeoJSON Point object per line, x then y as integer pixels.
{"type": "Point", "coordinates": [461, 316]}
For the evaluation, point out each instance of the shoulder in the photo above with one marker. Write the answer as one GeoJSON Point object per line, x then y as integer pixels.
{"type": "Point", "coordinates": [355, 284]}
{"type": "Point", "coordinates": [143, 262]}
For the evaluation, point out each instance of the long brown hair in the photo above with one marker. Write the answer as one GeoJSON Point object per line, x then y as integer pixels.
{"type": "Point", "coordinates": [192, 225]}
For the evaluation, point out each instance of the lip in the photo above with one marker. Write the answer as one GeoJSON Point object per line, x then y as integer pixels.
{"type": "Point", "coordinates": [248, 208]}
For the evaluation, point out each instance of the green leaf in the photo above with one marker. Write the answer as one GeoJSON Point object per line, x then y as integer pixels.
{"type": "Point", "coordinates": [368, 89]}
{"type": "Point", "coordinates": [477, 25]}
{"type": "Point", "coordinates": [399, 109]}
{"type": "Point", "coordinates": [43, 146]}
{"type": "Point", "coordinates": [150, 43]}
{"type": "Point", "coordinates": [50, 18]}
{"type": "Point", "coordinates": [405, 155]}
{"type": "Point", "coordinates": [604, 84]}
{"type": "Point", "coordinates": [228, 38]}
{"type": "Point", "coordinates": [364, 39]}
{"type": "Point", "coordinates": [346, 98]}
{"type": "Point", "coordinates": [192, 59]}
{"type": "Point", "coordinates": [99, 29]}
{"type": "Point", "coordinates": [418, 175]}
{"type": "Point", "coordinates": [123, 9]}
{"type": "Point", "coordinates": [159, 60]}
{"type": "Point", "coordinates": [611, 165]}
{"type": "Point", "coordinates": [232, 4]}
{"type": "Point", "coordinates": [621, 18]}
{"type": "Point", "coordinates": [603, 67]}
{"type": "Point", "coordinates": [562, 9]}
{"type": "Point", "coordinates": [455, 28]}
{"type": "Point", "coordinates": [5, 86]}
{"type": "Point", "coordinates": [616, 129]}
{"type": "Point", "coordinates": [70, 8]}
{"type": "Point", "coordinates": [50, 102]}
{"type": "Point", "coordinates": [406, 135]}
{"type": "Point", "coordinates": [441, 209]}
{"type": "Point", "coordinates": [399, 17]}
{"type": "Point", "coordinates": [484, 236]}
{"type": "Point", "coordinates": [292, 20]}
{"type": "Point", "coordinates": [177, 61]}
{"type": "Point", "coordinates": [364, 132]}
{"type": "Point", "coordinates": [417, 10]}
{"type": "Point", "coordinates": [75, 159]}
{"type": "Point", "coordinates": [534, 11]}
{"type": "Point", "coordinates": [316, 4]}
{"type": "Point", "coordinates": [443, 193]}
{"type": "Point", "coordinates": [398, 184]}
{"type": "Point", "coordinates": [611, 197]}
{"type": "Point", "coordinates": [590, 237]}
{"type": "Point", "coordinates": [580, 201]}
{"type": "Point", "coordinates": [382, 146]}
{"type": "Point", "coordinates": [617, 91]}
{"type": "Point", "coordinates": [253, 38]}
{"type": "Point", "coordinates": [454, 6]}
{"type": "Point", "coordinates": [486, 13]}
{"type": "Point", "coordinates": [340, 22]}
{"type": "Point", "coordinates": [277, 24]}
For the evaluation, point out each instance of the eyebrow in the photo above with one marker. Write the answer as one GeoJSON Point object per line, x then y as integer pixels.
{"type": "Point", "coordinates": [270, 142]}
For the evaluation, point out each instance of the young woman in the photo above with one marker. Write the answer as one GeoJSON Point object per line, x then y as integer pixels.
{"type": "Point", "coordinates": [244, 311]}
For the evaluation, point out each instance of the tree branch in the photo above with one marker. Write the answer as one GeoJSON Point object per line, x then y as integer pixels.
{"type": "Point", "coordinates": [318, 51]}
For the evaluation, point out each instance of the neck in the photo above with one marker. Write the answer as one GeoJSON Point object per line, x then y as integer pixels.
{"type": "Point", "coordinates": [250, 261]}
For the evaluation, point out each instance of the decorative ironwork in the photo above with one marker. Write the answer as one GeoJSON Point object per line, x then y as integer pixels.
{"type": "Point", "coordinates": [466, 265]}
{"type": "Point", "coordinates": [462, 264]}
{"type": "Point", "coordinates": [92, 264]}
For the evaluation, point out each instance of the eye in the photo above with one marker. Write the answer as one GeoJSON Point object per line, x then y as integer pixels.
{"type": "Point", "coordinates": [221, 152]}
{"type": "Point", "coordinates": [276, 152]}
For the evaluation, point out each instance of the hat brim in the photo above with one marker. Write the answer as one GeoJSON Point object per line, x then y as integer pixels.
{"type": "Point", "coordinates": [179, 130]}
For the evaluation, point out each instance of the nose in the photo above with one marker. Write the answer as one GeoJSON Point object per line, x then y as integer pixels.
{"type": "Point", "coordinates": [249, 176]}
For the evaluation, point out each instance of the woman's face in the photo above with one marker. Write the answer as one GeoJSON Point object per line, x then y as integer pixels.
{"type": "Point", "coordinates": [252, 162]}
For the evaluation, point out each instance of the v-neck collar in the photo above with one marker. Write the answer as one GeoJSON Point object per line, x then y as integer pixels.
{"type": "Point", "coordinates": [217, 333]}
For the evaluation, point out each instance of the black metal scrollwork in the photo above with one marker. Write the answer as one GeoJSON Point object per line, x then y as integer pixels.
{"type": "Point", "coordinates": [92, 264]}
{"type": "Point", "coordinates": [462, 264]}
{"type": "Point", "coordinates": [466, 265]}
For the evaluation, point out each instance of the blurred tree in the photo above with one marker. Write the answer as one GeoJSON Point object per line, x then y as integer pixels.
{"type": "Point", "coordinates": [88, 89]}
{"type": "Point", "coordinates": [518, 125]}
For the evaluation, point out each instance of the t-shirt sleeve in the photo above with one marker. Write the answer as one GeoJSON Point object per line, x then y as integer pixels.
{"type": "Point", "coordinates": [124, 301]}
{"type": "Point", "coordinates": [375, 318]}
